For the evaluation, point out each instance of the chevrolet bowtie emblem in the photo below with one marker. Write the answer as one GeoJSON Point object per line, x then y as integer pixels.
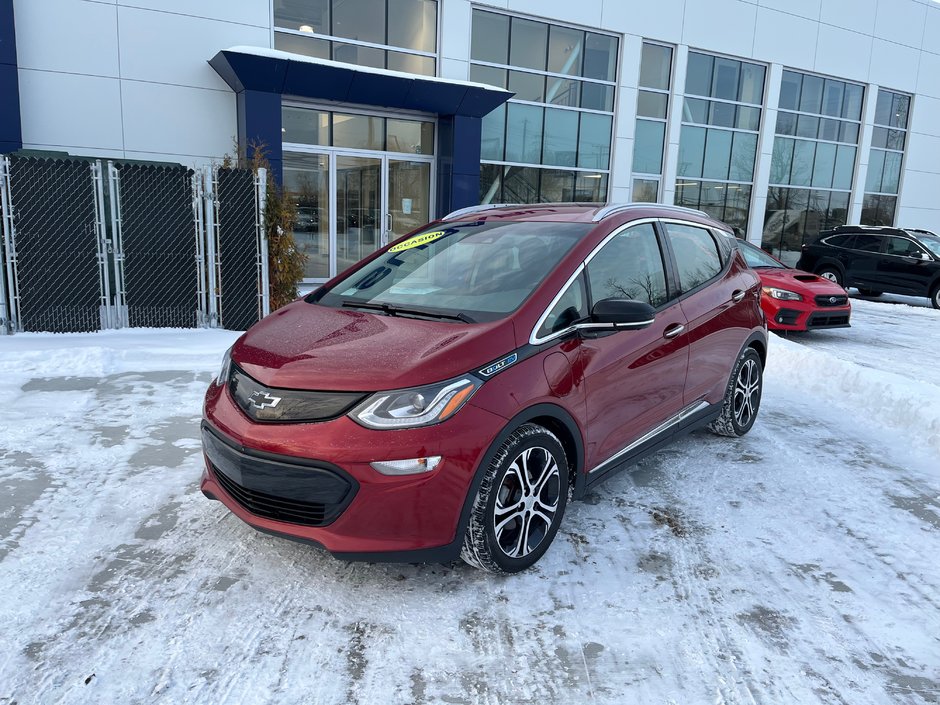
{"type": "Point", "coordinates": [263, 400]}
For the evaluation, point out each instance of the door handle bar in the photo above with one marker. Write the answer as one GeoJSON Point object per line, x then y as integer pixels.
{"type": "Point", "coordinates": [673, 331]}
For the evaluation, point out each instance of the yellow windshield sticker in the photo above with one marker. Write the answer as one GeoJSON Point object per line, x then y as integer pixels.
{"type": "Point", "coordinates": [417, 241]}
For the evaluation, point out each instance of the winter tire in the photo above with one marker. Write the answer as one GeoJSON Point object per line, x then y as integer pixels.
{"type": "Point", "coordinates": [831, 273]}
{"type": "Point", "coordinates": [935, 296]}
{"type": "Point", "coordinates": [742, 396]}
{"type": "Point", "coordinates": [520, 503]}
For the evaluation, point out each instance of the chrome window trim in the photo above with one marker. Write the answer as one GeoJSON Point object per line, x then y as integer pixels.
{"type": "Point", "coordinates": [533, 337]}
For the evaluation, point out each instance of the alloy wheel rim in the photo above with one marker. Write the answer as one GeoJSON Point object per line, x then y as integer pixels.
{"type": "Point", "coordinates": [526, 502]}
{"type": "Point", "coordinates": [746, 391]}
{"type": "Point", "coordinates": [831, 276]}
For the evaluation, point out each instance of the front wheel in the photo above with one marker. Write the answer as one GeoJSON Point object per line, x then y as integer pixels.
{"type": "Point", "coordinates": [520, 503]}
{"type": "Point", "coordinates": [832, 274]}
{"type": "Point", "coordinates": [742, 396]}
{"type": "Point", "coordinates": [935, 296]}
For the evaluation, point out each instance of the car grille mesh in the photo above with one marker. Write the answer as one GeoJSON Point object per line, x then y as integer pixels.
{"type": "Point", "coordinates": [271, 507]}
{"type": "Point", "coordinates": [824, 321]}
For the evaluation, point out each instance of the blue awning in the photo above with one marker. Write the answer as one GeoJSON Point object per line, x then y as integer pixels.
{"type": "Point", "coordinates": [280, 72]}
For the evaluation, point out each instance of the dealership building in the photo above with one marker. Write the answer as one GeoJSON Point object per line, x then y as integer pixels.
{"type": "Point", "coordinates": [781, 117]}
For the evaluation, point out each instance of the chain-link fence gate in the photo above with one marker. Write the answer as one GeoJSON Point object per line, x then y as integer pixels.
{"type": "Point", "coordinates": [87, 246]}
{"type": "Point", "coordinates": [241, 272]}
{"type": "Point", "coordinates": [52, 246]}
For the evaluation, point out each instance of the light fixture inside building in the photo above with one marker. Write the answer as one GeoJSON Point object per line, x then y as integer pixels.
{"type": "Point", "coordinates": [306, 28]}
{"type": "Point", "coordinates": [593, 176]}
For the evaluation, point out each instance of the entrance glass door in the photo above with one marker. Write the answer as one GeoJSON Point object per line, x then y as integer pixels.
{"type": "Point", "coordinates": [350, 204]}
{"type": "Point", "coordinates": [307, 180]}
{"type": "Point", "coordinates": [409, 190]}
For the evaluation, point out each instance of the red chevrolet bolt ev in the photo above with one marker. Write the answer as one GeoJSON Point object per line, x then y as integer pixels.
{"type": "Point", "coordinates": [446, 396]}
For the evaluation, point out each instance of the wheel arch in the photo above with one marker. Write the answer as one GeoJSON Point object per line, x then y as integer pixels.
{"type": "Point", "coordinates": [824, 262]}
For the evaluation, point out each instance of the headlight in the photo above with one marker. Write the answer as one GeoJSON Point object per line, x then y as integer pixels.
{"type": "Point", "coordinates": [225, 369]}
{"type": "Point", "coordinates": [419, 406]}
{"type": "Point", "coordinates": [782, 294]}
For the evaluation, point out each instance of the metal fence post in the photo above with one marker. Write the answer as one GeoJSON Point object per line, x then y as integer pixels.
{"type": "Point", "coordinates": [120, 317]}
{"type": "Point", "coordinates": [212, 245]}
{"type": "Point", "coordinates": [105, 246]}
{"type": "Point", "coordinates": [261, 181]}
{"type": "Point", "coordinates": [199, 211]}
{"type": "Point", "coordinates": [9, 298]}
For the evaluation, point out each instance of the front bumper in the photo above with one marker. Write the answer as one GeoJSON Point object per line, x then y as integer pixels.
{"type": "Point", "coordinates": [313, 482]}
{"type": "Point", "coordinates": [802, 316]}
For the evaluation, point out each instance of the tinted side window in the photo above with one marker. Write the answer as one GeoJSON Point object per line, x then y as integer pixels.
{"type": "Point", "coordinates": [571, 307]}
{"type": "Point", "coordinates": [867, 243]}
{"type": "Point", "coordinates": [901, 246]}
{"type": "Point", "coordinates": [630, 266]}
{"type": "Point", "coordinates": [696, 254]}
{"type": "Point", "coordinates": [840, 240]}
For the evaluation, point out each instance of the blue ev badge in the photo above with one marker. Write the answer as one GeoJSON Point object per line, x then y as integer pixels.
{"type": "Point", "coordinates": [499, 365]}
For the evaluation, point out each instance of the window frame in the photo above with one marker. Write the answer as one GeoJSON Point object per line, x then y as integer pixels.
{"type": "Point", "coordinates": [666, 252]}
{"type": "Point", "coordinates": [335, 39]}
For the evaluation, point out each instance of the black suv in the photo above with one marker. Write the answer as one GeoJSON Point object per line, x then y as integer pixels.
{"type": "Point", "coordinates": [877, 259]}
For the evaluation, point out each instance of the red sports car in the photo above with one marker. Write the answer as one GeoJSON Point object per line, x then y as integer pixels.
{"type": "Point", "coordinates": [796, 300]}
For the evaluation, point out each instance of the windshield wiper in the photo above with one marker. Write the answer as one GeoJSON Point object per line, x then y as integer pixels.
{"type": "Point", "coordinates": [390, 310]}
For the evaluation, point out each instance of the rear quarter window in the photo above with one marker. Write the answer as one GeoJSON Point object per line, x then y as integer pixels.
{"type": "Point", "coordinates": [839, 240]}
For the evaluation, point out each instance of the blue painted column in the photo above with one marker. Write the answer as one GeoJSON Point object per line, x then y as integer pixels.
{"type": "Point", "coordinates": [458, 162]}
{"type": "Point", "coordinates": [259, 125]}
{"type": "Point", "coordinates": [11, 135]}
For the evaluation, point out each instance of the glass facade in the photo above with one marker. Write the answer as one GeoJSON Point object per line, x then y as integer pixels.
{"type": "Point", "coordinates": [652, 109]}
{"type": "Point", "coordinates": [721, 117]}
{"type": "Point", "coordinates": [888, 142]}
{"type": "Point", "coordinates": [393, 34]}
{"type": "Point", "coordinates": [811, 172]}
{"type": "Point", "coordinates": [551, 141]}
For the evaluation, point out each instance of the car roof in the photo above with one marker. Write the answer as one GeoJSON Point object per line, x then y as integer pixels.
{"type": "Point", "coordinates": [582, 213]}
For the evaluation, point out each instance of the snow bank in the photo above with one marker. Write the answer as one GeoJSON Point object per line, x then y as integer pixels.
{"type": "Point", "coordinates": [27, 355]}
{"type": "Point", "coordinates": [885, 399]}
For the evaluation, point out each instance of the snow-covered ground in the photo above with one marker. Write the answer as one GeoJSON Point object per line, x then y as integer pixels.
{"type": "Point", "coordinates": [795, 565]}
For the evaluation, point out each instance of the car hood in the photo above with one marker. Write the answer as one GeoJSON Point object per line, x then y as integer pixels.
{"type": "Point", "coordinates": [308, 346]}
{"type": "Point", "coordinates": [799, 281]}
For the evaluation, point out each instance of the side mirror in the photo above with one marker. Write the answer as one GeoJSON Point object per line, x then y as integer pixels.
{"type": "Point", "coordinates": [620, 314]}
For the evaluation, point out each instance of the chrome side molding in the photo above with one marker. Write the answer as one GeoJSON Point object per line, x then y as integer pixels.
{"type": "Point", "coordinates": [687, 412]}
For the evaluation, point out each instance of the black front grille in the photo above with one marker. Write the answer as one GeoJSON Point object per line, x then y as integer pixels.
{"type": "Point", "coordinates": [274, 405]}
{"type": "Point", "coordinates": [283, 488]}
{"type": "Point", "coordinates": [271, 507]}
{"type": "Point", "coordinates": [818, 320]}
{"type": "Point", "coordinates": [832, 300]}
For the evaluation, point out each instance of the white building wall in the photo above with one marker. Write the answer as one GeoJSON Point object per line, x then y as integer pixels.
{"type": "Point", "coordinates": [129, 78]}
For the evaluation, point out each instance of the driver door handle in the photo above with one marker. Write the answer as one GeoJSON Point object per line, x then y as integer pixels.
{"type": "Point", "coordinates": [673, 330]}
{"type": "Point", "coordinates": [737, 296]}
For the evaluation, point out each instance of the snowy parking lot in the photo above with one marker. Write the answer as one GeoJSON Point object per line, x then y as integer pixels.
{"type": "Point", "coordinates": [795, 565]}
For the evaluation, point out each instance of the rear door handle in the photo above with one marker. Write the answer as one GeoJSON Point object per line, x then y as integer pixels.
{"type": "Point", "coordinates": [673, 330]}
{"type": "Point", "coordinates": [737, 296]}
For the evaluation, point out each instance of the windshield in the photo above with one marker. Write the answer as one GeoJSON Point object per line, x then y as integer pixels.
{"type": "Point", "coordinates": [477, 271]}
{"type": "Point", "coordinates": [756, 258]}
{"type": "Point", "coordinates": [931, 242]}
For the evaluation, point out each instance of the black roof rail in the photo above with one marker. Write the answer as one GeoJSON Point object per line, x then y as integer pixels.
{"type": "Point", "coordinates": [880, 229]}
